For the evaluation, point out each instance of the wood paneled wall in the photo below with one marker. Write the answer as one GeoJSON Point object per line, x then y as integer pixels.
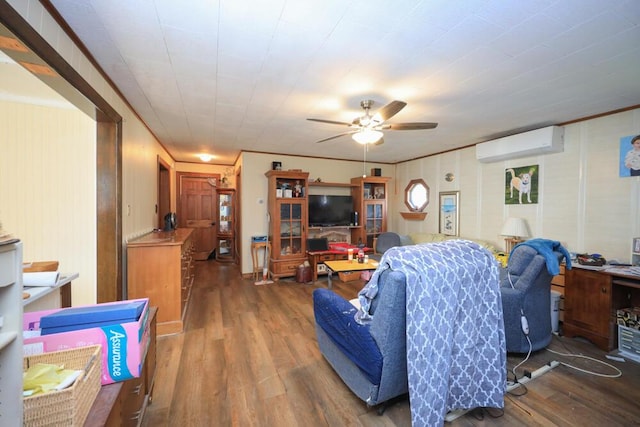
{"type": "Point", "coordinates": [48, 188]}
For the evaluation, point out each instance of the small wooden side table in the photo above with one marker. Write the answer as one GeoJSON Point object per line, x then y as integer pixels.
{"type": "Point", "coordinates": [255, 249]}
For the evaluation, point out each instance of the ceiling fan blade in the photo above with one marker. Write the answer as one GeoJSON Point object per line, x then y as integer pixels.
{"type": "Point", "coordinates": [333, 122]}
{"type": "Point", "coordinates": [389, 110]}
{"type": "Point", "coordinates": [409, 126]}
{"type": "Point", "coordinates": [337, 136]}
{"type": "Point", "coordinates": [379, 142]}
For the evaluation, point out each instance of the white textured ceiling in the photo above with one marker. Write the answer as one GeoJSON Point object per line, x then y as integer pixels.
{"type": "Point", "coordinates": [229, 75]}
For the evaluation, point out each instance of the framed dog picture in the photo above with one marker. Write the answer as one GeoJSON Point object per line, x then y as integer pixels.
{"type": "Point", "coordinates": [521, 185]}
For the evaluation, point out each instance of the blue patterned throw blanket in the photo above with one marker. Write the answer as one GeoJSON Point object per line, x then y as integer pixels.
{"type": "Point", "coordinates": [456, 357]}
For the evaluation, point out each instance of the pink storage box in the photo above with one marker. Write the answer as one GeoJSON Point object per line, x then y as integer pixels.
{"type": "Point", "coordinates": [124, 345]}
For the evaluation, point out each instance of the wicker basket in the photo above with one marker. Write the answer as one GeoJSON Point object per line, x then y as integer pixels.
{"type": "Point", "coordinates": [349, 276]}
{"type": "Point", "coordinates": [68, 407]}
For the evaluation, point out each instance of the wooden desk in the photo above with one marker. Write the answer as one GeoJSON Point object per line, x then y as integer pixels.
{"type": "Point", "coordinates": [591, 299]}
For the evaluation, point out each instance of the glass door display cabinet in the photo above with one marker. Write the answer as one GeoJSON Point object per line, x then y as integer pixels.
{"type": "Point", "coordinates": [226, 224]}
{"type": "Point", "coordinates": [287, 221]}
{"type": "Point", "coordinates": [370, 201]}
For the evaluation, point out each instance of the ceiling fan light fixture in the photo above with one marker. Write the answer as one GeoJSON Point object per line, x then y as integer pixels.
{"type": "Point", "coordinates": [367, 136]}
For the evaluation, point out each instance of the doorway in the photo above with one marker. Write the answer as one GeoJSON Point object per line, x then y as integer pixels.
{"type": "Point", "coordinates": [108, 168]}
{"type": "Point", "coordinates": [164, 191]}
{"type": "Point", "coordinates": [238, 218]}
{"type": "Point", "coordinates": [196, 208]}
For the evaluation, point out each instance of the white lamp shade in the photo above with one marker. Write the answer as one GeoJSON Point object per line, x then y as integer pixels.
{"type": "Point", "coordinates": [367, 136]}
{"type": "Point", "coordinates": [515, 227]}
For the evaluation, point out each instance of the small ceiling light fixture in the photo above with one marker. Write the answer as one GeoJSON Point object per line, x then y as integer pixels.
{"type": "Point", "coordinates": [367, 136]}
{"type": "Point", "coordinates": [205, 157]}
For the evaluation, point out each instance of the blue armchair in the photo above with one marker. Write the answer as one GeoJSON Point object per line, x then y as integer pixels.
{"type": "Point", "coordinates": [371, 359]}
{"type": "Point", "coordinates": [526, 290]}
{"type": "Point", "coordinates": [384, 242]}
{"type": "Point", "coordinates": [432, 318]}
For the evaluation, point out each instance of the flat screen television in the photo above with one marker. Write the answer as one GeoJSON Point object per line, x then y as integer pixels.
{"type": "Point", "coordinates": [327, 211]}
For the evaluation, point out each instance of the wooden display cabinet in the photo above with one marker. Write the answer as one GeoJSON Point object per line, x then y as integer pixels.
{"type": "Point", "coordinates": [288, 221]}
{"type": "Point", "coordinates": [226, 225]}
{"type": "Point", "coordinates": [370, 201]}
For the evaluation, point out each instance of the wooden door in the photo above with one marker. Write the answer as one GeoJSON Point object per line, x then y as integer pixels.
{"type": "Point", "coordinates": [587, 301]}
{"type": "Point", "coordinates": [197, 210]}
{"type": "Point", "coordinates": [164, 191]}
{"type": "Point", "coordinates": [587, 307]}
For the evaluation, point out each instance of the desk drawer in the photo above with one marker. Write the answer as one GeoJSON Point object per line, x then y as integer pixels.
{"type": "Point", "coordinates": [287, 267]}
{"type": "Point", "coordinates": [132, 394]}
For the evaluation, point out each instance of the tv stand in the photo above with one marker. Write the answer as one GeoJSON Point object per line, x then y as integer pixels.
{"type": "Point", "coordinates": [337, 234]}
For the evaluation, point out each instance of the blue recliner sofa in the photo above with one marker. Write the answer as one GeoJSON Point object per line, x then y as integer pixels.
{"type": "Point", "coordinates": [526, 290]}
{"type": "Point", "coordinates": [371, 359]}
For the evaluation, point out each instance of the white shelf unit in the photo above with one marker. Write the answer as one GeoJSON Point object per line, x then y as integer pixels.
{"type": "Point", "coordinates": [11, 334]}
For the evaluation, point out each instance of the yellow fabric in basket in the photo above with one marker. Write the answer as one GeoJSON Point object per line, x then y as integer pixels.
{"type": "Point", "coordinates": [43, 377]}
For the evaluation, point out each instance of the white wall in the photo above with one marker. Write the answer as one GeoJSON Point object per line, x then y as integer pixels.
{"type": "Point", "coordinates": [583, 203]}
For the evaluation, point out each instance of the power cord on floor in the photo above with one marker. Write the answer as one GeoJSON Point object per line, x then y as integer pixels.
{"type": "Point", "coordinates": [478, 413]}
{"type": "Point", "coordinates": [513, 371]}
{"type": "Point", "coordinates": [525, 330]}
{"type": "Point", "coordinates": [616, 375]}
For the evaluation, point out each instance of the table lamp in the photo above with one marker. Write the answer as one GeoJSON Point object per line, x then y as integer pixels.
{"type": "Point", "coordinates": [514, 229]}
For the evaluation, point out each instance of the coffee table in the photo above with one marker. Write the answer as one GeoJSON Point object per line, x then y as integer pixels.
{"type": "Point", "coordinates": [346, 265]}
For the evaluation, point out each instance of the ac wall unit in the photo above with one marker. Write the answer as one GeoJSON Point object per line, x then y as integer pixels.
{"type": "Point", "coordinates": [540, 141]}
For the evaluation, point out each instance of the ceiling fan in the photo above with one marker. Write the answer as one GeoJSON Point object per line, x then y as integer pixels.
{"type": "Point", "coordinates": [367, 129]}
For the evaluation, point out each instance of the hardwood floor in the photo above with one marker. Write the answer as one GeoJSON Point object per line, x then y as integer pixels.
{"type": "Point", "coordinates": [248, 357]}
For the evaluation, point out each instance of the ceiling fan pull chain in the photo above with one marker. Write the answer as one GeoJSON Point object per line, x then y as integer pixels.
{"type": "Point", "coordinates": [364, 163]}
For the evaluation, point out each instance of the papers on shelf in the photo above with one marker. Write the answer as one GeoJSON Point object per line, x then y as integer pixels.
{"type": "Point", "coordinates": [41, 278]}
{"type": "Point", "coordinates": [625, 270]}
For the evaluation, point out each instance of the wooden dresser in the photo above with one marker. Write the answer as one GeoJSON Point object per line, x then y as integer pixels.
{"type": "Point", "coordinates": [160, 267]}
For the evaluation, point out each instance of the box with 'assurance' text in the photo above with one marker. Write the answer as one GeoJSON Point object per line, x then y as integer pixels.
{"type": "Point", "coordinates": [124, 344]}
